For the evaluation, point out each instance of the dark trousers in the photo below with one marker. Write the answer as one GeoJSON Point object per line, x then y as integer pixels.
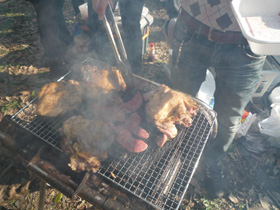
{"type": "Point", "coordinates": [131, 11]}
{"type": "Point", "coordinates": [51, 25]}
{"type": "Point", "coordinates": [237, 70]}
{"type": "Point", "coordinates": [76, 4]}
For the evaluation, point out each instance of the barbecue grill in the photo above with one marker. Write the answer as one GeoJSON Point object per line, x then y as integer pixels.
{"type": "Point", "coordinates": [157, 176]}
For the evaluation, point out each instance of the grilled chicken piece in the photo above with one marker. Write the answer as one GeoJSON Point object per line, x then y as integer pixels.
{"type": "Point", "coordinates": [58, 98]}
{"type": "Point", "coordinates": [165, 108]}
{"type": "Point", "coordinates": [102, 81]}
{"type": "Point", "coordinates": [81, 160]}
{"type": "Point", "coordinates": [86, 141]}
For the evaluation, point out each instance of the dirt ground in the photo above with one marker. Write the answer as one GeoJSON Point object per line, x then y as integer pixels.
{"type": "Point", "coordinates": [252, 166]}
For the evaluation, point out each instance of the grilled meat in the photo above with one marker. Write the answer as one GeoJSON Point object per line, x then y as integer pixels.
{"type": "Point", "coordinates": [81, 160]}
{"type": "Point", "coordinates": [126, 130]}
{"type": "Point", "coordinates": [133, 104]}
{"type": "Point", "coordinates": [102, 81]}
{"type": "Point", "coordinates": [86, 141]}
{"type": "Point", "coordinates": [132, 124]}
{"type": "Point", "coordinates": [124, 119]}
{"type": "Point", "coordinates": [91, 135]}
{"type": "Point", "coordinates": [129, 143]}
{"type": "Point", "coordinates": [165, 108]}
{"type": "Point", "coordinates": [107, 109]}
{"type": "Point", "coordinates": [113, 109]}
{"type": "Point", "coordinates": [58, 98]}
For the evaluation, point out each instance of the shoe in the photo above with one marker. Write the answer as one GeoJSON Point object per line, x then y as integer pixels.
{"type": "Point", "coordinates": [214, 181]}
{"type": "Point", "coordinates": [57, 68]}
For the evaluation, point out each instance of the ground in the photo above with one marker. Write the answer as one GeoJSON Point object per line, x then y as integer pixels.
{"type": "Point", "coordinates": [252, 167]}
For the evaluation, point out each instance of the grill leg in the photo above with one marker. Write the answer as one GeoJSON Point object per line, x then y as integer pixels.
{"type": "Point", "coordinates": [42, 195]}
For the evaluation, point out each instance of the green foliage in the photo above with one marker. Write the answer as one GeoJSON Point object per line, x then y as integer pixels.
{"type": "Point", "coordinates": [11, 105]}
{"type": "Point", "coordinates": [12, 14]}
{"type": "Point", "coordinates": [241, 206]}
{"type": "Point", "coordinates": [6, 31]}
{"type": "Point", "coordinates": [2, 67]}
{"type": "Point", "coordinates": [32, 95]}
{"type": "Point", "coordinates": [58, 197]}
{"type": "Point", "coordinates": [160, 62]}
{"type": "Point", "coordinates": [210, 205]}
{"type": "Point", "coordinates": [69, 21]}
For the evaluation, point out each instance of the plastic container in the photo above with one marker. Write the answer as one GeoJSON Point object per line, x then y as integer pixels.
{"type": "Point", "coordinates": [145, 11]}
{"type": "Point", "coordinates": [84, 11]}
{"type": "Point", "coordinates": [274, 96]}
{"type": "Point", "coordinates": [145, 23]}
{"type": "Point", "coordinates": [151, 52]}
{"type": "Point", "coordinates": [259, 21]}
{"type": "Point", "coordinates": [207, 89]}
{"type": "Point", "coordinates": [267, 77]}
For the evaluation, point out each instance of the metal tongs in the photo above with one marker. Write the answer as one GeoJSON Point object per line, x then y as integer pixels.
{"type": "Point", "coordinates": [118, 46]}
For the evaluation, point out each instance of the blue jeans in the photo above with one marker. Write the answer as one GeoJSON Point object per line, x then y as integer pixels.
{"type": "Point", "coordinates": [237, 71]}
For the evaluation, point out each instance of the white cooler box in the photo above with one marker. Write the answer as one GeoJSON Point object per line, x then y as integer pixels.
{"type": "Point", "coordinates": [271, 71]}
{"type": "Point", "coordinates": [259, 21]}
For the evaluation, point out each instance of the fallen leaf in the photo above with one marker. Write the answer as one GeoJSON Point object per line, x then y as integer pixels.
{"type": "Point", "coordinates": [2, 193]}
{"type": "Point", "coordinates": [191, 204]}
{"type": "Point", "coordinates": [13, 193]}
{"type": "Point", "coordinates": [82, 205]}
{"type": "Point", "coordinates": [24, 189]}
{"type": "Point", "coordinates": [265, 201]}
{"type": "Point", "coordinates": [233, 198]}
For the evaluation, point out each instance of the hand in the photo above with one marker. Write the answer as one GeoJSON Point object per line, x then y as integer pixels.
{"type": "Point", "coordinates": [100, 6]}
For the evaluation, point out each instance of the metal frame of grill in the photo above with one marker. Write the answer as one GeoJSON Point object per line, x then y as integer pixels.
{"type": "Point", "coordinates": [158, 176]}
{"type": "Point", "coordinates": [161, 176]}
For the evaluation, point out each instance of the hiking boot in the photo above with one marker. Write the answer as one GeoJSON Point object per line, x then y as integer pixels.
{"type": "Point", "coordinates": [214, 181]}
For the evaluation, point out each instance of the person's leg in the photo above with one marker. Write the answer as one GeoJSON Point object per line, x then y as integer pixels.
{"type": "Point", "coordinates": [171, 10]}
{"type": "Point", "coordinates": [49, 35]}
{"type": "Point", "coordinates": [51, 24]}
{"type": "Point", "coordinates": [63, 33]}
{"type": "Point", "coordinates": [237, 72]}
{"type": "Point", "coordinates": [46, 17]}
{"type": "Point", "coordinates": [76, 4]}
{"type": "Point", "coordinates": [190, 60]}
{"type": "Point", "coordinates": [99, 38]}
{"type": "Point", "coordinates": [132, 36]}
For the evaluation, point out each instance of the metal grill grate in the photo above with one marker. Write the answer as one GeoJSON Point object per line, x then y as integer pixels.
{"type": "Point", "coordinates": [158, 176]}
{"type": "Point", "coordinates": [45, 129]}
{"type": "Point", "coordinates": [161, 176]}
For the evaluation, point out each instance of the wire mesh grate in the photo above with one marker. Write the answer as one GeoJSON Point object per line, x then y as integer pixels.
{"type": "Point", "coordinates": [158, 176]}
{"type": "Point", "coordinates": [161, 176]}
